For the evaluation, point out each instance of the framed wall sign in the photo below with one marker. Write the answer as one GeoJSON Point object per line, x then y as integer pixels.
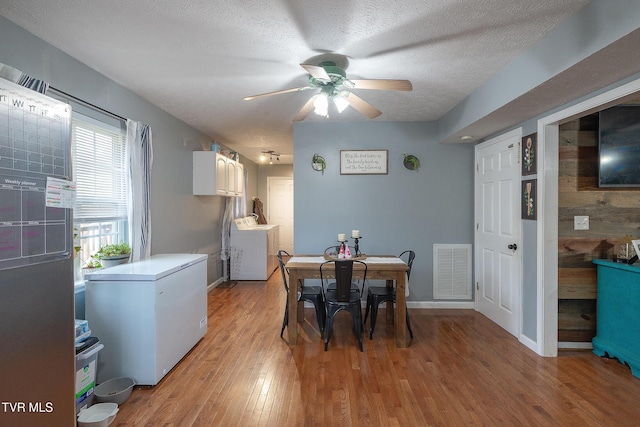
{"type": "Point", "coordinates": [363, 162]}
{"type": "Point", "coordinates": [529, 154]}
{"type": "Point", "coordinates": [529, 198]}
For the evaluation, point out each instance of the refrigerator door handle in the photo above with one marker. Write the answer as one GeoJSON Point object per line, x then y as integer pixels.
{"type": "Point", "coordinates": [84, 356]}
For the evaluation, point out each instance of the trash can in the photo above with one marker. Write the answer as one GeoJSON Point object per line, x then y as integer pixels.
{"type": "Point", "coordinates": [86, 368]}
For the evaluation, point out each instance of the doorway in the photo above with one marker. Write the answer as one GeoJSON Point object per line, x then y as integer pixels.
{"type": "Point", "coordinates": [497, 236]}
{"type": "Point", "coordinates": [547, 227]}
{"type": "Point", "coordinates": [280, 209]}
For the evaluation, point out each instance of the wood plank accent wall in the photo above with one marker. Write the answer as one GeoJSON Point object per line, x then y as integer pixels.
{"type": "Point", "coordinates": [613, 213]}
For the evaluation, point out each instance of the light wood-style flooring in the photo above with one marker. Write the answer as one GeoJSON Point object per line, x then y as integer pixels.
{"type": "Point", "coordinates": [459, 370]}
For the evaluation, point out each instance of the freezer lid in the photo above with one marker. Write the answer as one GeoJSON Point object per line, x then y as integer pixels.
{"type": "Point", "coordinates": [154, 268]}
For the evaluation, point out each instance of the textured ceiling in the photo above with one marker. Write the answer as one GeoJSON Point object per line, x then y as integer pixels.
{"type": "Point", "coordinates": [198, 59]}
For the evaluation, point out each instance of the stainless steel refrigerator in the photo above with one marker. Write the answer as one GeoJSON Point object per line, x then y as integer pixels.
{"type": "Point", "coordinates": [37, 356]}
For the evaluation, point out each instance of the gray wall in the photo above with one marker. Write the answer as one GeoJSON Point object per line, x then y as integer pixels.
{"type": "Point", "coordinates": [401, 210]}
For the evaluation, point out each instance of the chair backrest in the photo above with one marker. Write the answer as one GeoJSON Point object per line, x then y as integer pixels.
{"type": "Point", "coordinates": [282, 253]}
{"type": "Point", "coordinates": [344, 275]}
{"type": "Point", "coordinates": [408, 256]}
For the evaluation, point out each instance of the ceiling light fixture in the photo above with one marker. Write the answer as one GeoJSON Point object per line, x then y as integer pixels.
{"type": "Point", "coordinates": [341, 103]}
{"type": "Point", "coordinates": [321, 104]}
{"type": "Point", "coordinates": [271, 154]}
{"type": "Point", "coordinates": [330, 93]}
{"type": "Point", "coordinates": [466, 138]}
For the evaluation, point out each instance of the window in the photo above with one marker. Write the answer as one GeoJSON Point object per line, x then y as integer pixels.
{"type": "Point", "coordinates": [100, 216]}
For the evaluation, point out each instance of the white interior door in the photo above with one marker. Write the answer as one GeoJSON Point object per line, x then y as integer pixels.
{"type": "Point", "coordinates": [280, 209]}
{"type": "Point", "coordinates": [497, 213]}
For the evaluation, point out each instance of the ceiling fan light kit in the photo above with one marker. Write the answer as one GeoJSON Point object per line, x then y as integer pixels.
{"type": "Point", "coordinates": [334, 85]}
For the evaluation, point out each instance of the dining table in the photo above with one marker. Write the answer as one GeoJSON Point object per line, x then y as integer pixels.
{"type": "Point", "coordinates": [390, 268]}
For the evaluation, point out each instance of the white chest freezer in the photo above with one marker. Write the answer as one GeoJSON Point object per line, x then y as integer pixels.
{"type": "Point", "coordinates": [148, 314]}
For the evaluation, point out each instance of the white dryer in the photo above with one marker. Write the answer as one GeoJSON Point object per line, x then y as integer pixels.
{"type": "Point", "coordinates": [254, 249]}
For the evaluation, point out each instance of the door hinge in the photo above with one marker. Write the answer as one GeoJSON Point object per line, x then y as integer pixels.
{"type": "Point", "coordinates": [477, 226]}
{"type": "Point", "coordinates": [477, 286]}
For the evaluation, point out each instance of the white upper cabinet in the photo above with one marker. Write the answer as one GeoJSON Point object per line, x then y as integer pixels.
{"type": "Point", "coordinates": [219, 186]}
{"type": "Point", "coordinates": [240, 177]}
{"type": "Point", "coordinates": [232, 180]}
{"type": "Point", "coordinates": [215, 175]}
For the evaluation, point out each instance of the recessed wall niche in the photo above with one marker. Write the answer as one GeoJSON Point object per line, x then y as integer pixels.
{"type": "Point", "coordinates": [613, 213]}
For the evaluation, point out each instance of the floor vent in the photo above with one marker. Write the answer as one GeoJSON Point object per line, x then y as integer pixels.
{"type": "Point", "coordinates": [452, 272]}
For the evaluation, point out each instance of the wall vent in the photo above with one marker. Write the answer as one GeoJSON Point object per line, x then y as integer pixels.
{"type": "Point", "coordinates": [452, 272]}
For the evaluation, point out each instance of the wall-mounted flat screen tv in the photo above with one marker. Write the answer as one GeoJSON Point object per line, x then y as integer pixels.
{"type": "Point", "coordinates": [619, 143]}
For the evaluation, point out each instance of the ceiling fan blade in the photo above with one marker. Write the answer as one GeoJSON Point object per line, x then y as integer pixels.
{"type": "Point", "coordinates": [278, 92]}
{"type": "Point", "coordinates": [363, 106]}
{"type": "Point", "coordinates": [382, 84]}
{"type": "Point", "coordinates": [305, 110]}
{"type": "Point", "coordinates": [316, 72]}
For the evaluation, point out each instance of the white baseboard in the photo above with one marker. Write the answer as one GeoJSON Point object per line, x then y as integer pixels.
{"type": "Point", "coordinates": [574, 345]}
{"type": "Point", "coordinates": [529, 343]}
{"type": "Point", "coordinates": [214, 284]}
{"type": "Point", "coordinates": [465, 305]}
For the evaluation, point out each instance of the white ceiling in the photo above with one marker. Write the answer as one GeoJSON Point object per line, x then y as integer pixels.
{"type": "Point", "coordinates": [198, 59]}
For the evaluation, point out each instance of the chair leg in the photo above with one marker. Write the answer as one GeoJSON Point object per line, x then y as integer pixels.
{"type": "Point", "coordinates": [409, 324]}
{"type": "Point", "coordinates": [357, 320]}
{"type": "Point", "coordinates": [285, 320]}
{"type": "Point", "coordinates": [374, 317]}
{"type": "Point", "coordinates": [366, 312]}
{"type": "Point", "coordinates": [320, 315]}
{"type": "Point", "coordinates": [328, 328]}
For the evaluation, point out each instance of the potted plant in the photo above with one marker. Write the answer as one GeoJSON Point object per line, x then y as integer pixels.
{"type": "Point", "coordinates": [318, 163]}
{"type": "Point", "coordinates": [113, 254]}
{"type": "Point", "coordinates": [411, 162]}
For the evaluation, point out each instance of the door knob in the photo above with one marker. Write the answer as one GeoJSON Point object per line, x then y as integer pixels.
{"type": "Point", "coordinates": [513, 246]}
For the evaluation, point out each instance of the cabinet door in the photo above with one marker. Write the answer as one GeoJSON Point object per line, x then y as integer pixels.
{"type": "Point", "coordinates": [204, 173]}
{"type": "Point", "coordinates": [239, 179]}
{"type": "Point", "coordinates": [221, 175]}
{"type": "Point", "coordinates": [231, 177]}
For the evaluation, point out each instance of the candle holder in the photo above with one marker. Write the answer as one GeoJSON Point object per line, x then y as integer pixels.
{"type": "Point", "coordinates": [356, 245]}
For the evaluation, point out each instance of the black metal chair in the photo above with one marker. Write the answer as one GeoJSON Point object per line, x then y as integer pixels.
{"type": "Point", "coordinates": [342, 297]}
{"type": "Point", "coordinates": [332, 251]}
{"type": "Point", "coordinates": [376, 295]}
{"type": "Point", "coordinates": [313, 294]}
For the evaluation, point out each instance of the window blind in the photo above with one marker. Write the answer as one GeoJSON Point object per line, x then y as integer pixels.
{"type": "Point", "coordinates": [99, 172]}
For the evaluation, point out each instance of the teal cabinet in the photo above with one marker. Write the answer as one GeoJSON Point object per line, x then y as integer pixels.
{"type": "Point", "coordinates": [618, 313]}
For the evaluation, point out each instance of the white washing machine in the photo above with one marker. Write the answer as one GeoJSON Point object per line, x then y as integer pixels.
{"type": "Point", "coordinates": [254, 249]}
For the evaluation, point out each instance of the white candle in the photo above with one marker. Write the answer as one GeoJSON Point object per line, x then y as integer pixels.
{"type": "Point", "coordinates": [355, 234]}
{"type": "Point", "coordinates": [341, 237]}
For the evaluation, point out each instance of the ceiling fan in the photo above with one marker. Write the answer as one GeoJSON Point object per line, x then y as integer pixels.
{"type": "Point", "coordinates": [334, 86]}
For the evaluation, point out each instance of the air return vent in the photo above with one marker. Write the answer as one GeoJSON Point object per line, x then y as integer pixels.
{"type": "Point", "coordinates": [452, 272]}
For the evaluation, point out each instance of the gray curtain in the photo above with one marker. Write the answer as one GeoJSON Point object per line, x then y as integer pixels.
{"type": "Point", "coordinates": [16, 76]}
{"type": "Point", "coordinates": [139, 157]}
